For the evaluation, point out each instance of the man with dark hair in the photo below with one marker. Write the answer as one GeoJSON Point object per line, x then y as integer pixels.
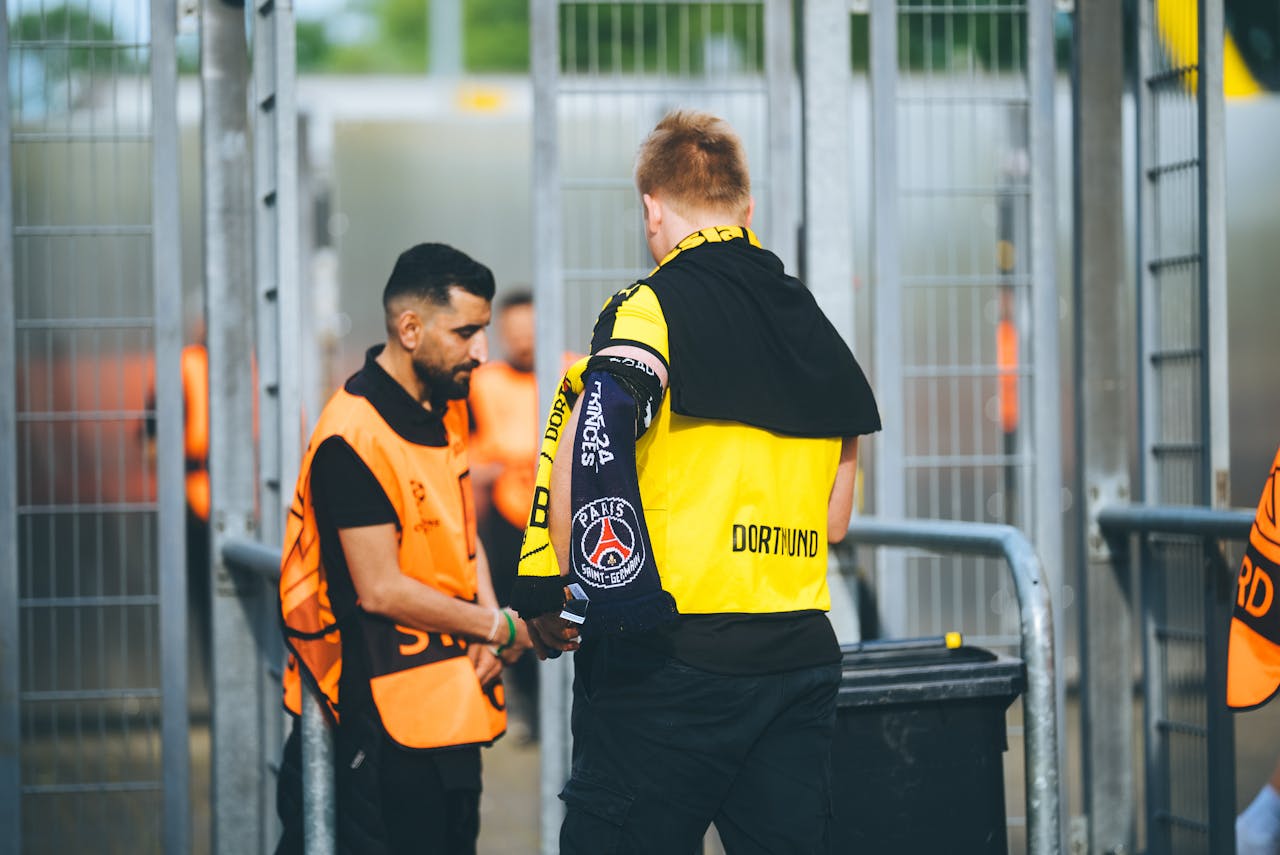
{"type": "Point", "coordinates": [714, 433]}
{"type": "Point", "coordinates": [389, 613]}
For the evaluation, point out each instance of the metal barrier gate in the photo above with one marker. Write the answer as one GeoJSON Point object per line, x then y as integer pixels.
{"type": "Point", "coordinates": [1190, 749]}
{"type": "Point", "coordinates": [93, 605]}
{"type": "Point", "coordinates": [1035, 646]}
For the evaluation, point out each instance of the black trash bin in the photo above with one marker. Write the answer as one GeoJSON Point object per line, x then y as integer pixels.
{"type": "Point", "coordinates": [916, 759]}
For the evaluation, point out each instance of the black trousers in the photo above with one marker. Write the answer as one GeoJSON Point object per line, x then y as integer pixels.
{"type": "Point", "coordinates": [662, 749]}
{"type": "Point", "coordinates": [389, 801]}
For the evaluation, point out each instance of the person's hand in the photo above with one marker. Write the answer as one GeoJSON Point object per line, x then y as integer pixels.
{"type": "Point", "coordinates": [550, 632]}
{"type": "Point", "coordinates": [522, 643]}
{"type": "Point", "coordinates": [487, 666]}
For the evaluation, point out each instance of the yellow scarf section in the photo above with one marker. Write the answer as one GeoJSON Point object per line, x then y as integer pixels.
{"type": "Point", "coordinates": [537, 557]}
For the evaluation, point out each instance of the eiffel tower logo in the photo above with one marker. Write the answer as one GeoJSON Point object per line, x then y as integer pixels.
{"type": "Point", "coordinates": [610, 551]}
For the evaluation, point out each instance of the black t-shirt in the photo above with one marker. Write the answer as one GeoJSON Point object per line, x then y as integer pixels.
{"type": "Point", "coordinates": [346, 494]}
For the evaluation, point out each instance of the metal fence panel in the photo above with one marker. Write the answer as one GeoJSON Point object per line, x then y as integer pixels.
{"type": "Point", "coordinates": [966, 301]}
{"type": "Point", "coordinates": [963, 281]}
{"type": "Point", "coordinates": [102, 698]}
{"type": "Point", "coordinates": [279, 319]}
{"type": "Point", "coordinates": [10, 717]}
{"type": "Point", "coordinates": [622, 66]}
{"type": "Point", "coordinates": [1181, 436]}
{"type": "Point", "coordinates": [240, 788]}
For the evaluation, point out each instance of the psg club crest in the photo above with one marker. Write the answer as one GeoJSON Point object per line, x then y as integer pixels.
{"type": "Point", "coordinates": [610, 550]}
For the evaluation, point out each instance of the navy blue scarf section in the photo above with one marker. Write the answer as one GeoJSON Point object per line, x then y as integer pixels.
{"type": "Point", "coordinates": [609, 553]}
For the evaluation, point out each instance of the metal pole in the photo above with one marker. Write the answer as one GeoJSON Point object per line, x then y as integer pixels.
{"type": "Point", "coordinates": [1214, 523]}
{"type": "Point", "coordinates": [1041, 719]}
{"type": "Point", "coordinates": [318, 794]}
{"type": "Point", "coordinates": [10, 669]}
{"type": "Point", "coordinates": [446, 37]}
{"type": "Point", "coordinates": [779, 33]}
{"type": "Point", "coordinates": [238, 775]}
{"type": "Point", "coordinates": [1046, 435]}
{"type": "Point", "coordinates": [279, 311]}
{"type": "Point", "coordinates": [1215, 425]}
{"type": "Point", "coordinates": [555, 676]}
{"type": "Point", "coordinates": [255, 560]}
{"type": "Point", "coordinates": [828, 209]}
{"type": "Point", "coordinates": [1146, 338]}
{"type": "Point", "coordinates": [1219, 599]}
{"type": "Point", "coordinates": [828, 233]}
{"type": "Point", "coordinates": [288, 253]}
{"type": "Point", "coordinates": [166, 260]}
{"type": "Point", "coordinates": [890, 445]}
{"type": "Point", "coordinates": [1213, 247]}
{"type": "Point", "coordinates": [1104, 366]}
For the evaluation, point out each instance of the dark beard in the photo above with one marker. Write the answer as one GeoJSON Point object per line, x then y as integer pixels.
{"type": "Point", "coordinates": [444, 385]}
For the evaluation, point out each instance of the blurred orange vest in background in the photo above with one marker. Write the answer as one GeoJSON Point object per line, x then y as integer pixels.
{"type": "Point", "coordinates": [504, 404]}
{"type": "Point", "coordinates": [195, 396]}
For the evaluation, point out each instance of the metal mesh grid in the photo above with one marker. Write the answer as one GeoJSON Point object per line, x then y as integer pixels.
{"type": "Point", "coordinates": [963, 199]}
{"type": "Point", "coordinates": [1173, 352]}
{"type": "Point", "coordinates": [83, 306]}
{"type": "Point", "coordinates": [623, 65]}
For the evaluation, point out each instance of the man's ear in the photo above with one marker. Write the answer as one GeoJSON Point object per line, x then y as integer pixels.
{"type": "Point", "coordinates": [751, 209]}
{"type": "Point", "coordinates": [652, 214]}
{"type": "Point", "coordinates": [409, 329]}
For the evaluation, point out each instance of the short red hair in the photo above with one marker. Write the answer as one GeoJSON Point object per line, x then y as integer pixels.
{"type": "Point", "coordinates": [695, 162]}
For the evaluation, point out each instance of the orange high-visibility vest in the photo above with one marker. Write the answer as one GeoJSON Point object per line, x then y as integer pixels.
{"type": "Point", "coordinates": [195, 394]}
{"type": "Point", "coordinates": [1253, 657]}
{"type": "Point", "coordinates": [1007, 365]}
{"type": "Point", "coordinates": [423, 684]}
{"type": "Point", "coordinates": [504, 404]}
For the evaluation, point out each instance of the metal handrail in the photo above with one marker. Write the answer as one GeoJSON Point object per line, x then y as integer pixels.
{"type": "Point", "coordinates": [249, 556]}
{"type": "Point", "coordinates": [1221, 523]}
{"type": "Point", "coordinates": [1042, 773]}
{"type": "Point", "coordinates": [1118, 523]}
{"type": "Point", "coordinates": [318, 824]}
{"type": "Point", "coordinates": [1044, 818]}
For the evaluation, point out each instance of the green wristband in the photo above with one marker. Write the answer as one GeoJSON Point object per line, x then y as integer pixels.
{"type": "Point", "coordinates": [511, 631]}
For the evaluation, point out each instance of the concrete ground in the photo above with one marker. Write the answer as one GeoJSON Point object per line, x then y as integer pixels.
{"type": "Point", "coordinates": [510, 804]}
{"type": "Point", "coordinates": [509, 809]}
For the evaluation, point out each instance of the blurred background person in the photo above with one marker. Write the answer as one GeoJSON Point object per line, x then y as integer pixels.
{"type": "Point", "coordinates": [504, 442]}
{"type": "Point", "coordinates": [195, 443]}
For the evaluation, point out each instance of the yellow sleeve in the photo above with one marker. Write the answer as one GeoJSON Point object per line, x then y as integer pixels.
{"type": "Point", "coordinates": [633, 316]}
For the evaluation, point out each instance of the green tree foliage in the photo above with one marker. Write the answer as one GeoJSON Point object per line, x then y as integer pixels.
{"type": "Point", "coordinates": [676, 38]}
{"type": "Point", "coordinates": [396, 44]}
{"type": "Point", "coordinates": [497, 36]}
{"type": "Point", "coordinates": [314, 50]}
{"type": "Point", "coordinates": [63, 40]}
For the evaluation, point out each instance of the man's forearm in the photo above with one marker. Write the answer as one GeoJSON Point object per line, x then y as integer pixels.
{"type": "Point", "coordinates": [414, 604]}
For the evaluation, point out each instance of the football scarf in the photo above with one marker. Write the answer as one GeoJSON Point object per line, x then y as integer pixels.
{"type": "Point", "coordinates": [539, 588]}
{"type": "Point", "coordinates": [610, 554]}
{"type": "Point", "coordinates": [611, 559]}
